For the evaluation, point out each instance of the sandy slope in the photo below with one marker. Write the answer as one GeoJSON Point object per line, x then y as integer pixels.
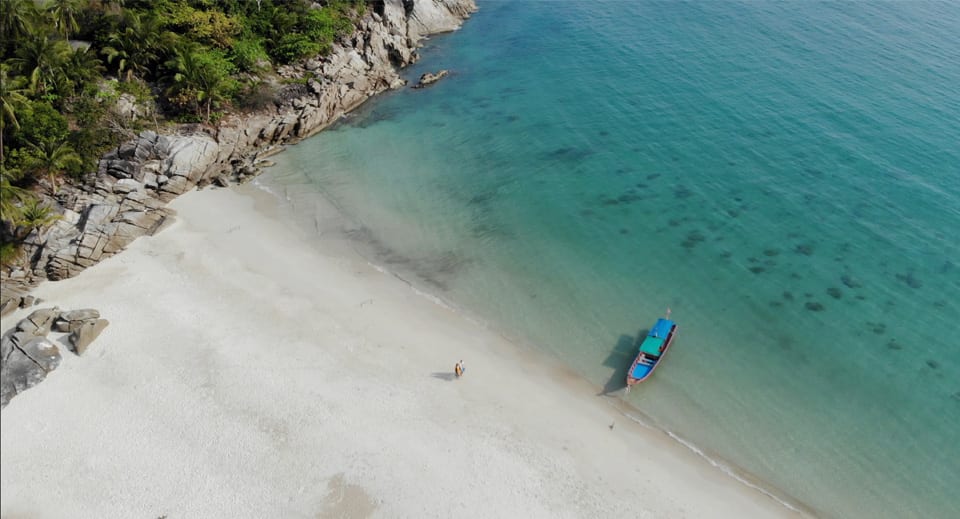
{"type": "Point", "coordinates": [246, 373]}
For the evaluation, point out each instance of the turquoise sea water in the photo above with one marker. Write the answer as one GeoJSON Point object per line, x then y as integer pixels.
{"type": "Point", "coordinates": [785, 176]}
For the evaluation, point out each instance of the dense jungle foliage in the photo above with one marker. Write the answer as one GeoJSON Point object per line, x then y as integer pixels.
{"type": "Point", "coordinates": [66, 65]}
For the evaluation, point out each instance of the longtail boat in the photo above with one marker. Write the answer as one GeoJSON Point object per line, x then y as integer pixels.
{"type": "Point", "coordinates": [652, 349]}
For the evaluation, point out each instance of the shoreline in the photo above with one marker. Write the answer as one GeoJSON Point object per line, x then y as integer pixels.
{"type": "Point", "coordinates": [261, 374]}
{"type": "Point", "coordinates": [337, 225]}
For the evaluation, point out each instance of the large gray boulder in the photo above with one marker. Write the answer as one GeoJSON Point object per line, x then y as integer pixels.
{"type": "Point", "coordinates": [26, 360]}
{"type": "Point", "coordinates": [19, 374]}
{"type": "Point", "coordinates": [43, 352]}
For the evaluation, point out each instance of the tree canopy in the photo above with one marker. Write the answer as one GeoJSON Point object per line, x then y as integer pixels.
{"type": "Point", "coordinates": [64, 63]}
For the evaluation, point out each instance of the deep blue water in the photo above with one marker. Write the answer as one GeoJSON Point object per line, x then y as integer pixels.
{"type": "Point", "coordinates": [785, 176]}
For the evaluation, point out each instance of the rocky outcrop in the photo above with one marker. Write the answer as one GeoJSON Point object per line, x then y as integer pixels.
{"type": "Point", "coordinates": [134, 182]}
{"type": "Point", "coordinates": [425, 18]}
{"type": "Point", "coordinates": [27, 356]}
{"type": "Point", "coordinates": [430, 78]}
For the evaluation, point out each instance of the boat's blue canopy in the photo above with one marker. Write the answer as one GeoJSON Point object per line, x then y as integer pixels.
{"type": "Point", "coordinates": [641, 370]}
{"type": "Point", "coordinates": [662, 328]}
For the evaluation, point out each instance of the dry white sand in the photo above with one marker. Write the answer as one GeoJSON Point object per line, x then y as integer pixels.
{"type": "Point", "coordinates": [245, 373]}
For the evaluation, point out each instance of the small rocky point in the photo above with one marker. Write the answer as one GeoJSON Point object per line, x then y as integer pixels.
{"type": "Point", "coordinates": [430, 78]}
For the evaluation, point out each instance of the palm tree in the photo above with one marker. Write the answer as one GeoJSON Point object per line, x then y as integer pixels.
{"type": "Point", "coordinates": [34, 215]}
{"type": "Point", "coordinates": [11, 95]}
{"type": "Point", "coordinates": [82, 66]}
{"type": "Point", "coordinates": [39, 58]}
{"type": "Point", "coordinates": [10, 194]}
{"type": "Point", "coordinates": [64, 15]}
{"type": "Point", "coordinates": [52, 158]}
{"type": "Point", "coordinates": [201, 74]}
{"type": "Point", "coordinates": [16, 19]}
{"type": "Point", "coordinates": [137, 46]}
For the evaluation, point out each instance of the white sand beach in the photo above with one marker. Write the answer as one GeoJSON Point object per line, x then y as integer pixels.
{"type": "Point", "coordinates": [248, 373]}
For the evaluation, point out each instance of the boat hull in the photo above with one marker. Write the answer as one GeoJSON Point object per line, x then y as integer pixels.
{"type": "Point", "coordinates": [643, 366]}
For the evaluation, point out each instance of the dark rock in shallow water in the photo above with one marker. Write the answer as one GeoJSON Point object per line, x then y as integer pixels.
{"type": "Point", "coordinates": [804, 248]}
{"type": "Point", "coordinates": [788, 296]}
{"type": "Point", "coordinates": [624, 231]}
{"type": "Point", "coordinates": [894, 345]}
{"type": "Point", "coordinates": [850, 281]}
{"type": "Point", "coordinates": [834, 292]}
{"type": "Point", "coordinates": [813, 306]}
{"type": "Point", "coordinates": [758, 270]}
{"type": "Point", "coordinates": [569, 153]}
{"type": "Point", "coordinates": [877, 328]}
{"type": "Point", "coordinates": [482, 198]}
{"type": "Point", "coordinates": [693, 238]}
{"type": "Point", "coordinates": [910, 280]}
{"type": "Point", "coordinates": [653, 176]}
{"type": "Point", "coordinates": [933, 364]}
{"type": "Point", "coordinates": [771, 252]}
{"type": "Point", "coordinates": [431, 78]}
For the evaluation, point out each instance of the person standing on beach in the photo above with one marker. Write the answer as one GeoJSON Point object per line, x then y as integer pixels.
{"type": "Point", "coordinates": [458, 369]}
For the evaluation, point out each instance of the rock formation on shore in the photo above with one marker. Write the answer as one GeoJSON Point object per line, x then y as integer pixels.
{"type": "Point", "coordinates": [28, 355]}
{"type": "Point", "coordinates": [135, 181]}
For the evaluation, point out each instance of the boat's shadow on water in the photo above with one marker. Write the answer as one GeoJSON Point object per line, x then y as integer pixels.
{"type": "Point", "coordinates": [620, 359]}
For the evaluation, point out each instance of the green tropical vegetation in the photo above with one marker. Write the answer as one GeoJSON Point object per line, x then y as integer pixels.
{"type": "Point", "coordinates": [65, 63]}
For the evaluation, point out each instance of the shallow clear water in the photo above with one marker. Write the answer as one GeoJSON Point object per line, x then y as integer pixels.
{"type": "Point", "coordinates": [784, 176]}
